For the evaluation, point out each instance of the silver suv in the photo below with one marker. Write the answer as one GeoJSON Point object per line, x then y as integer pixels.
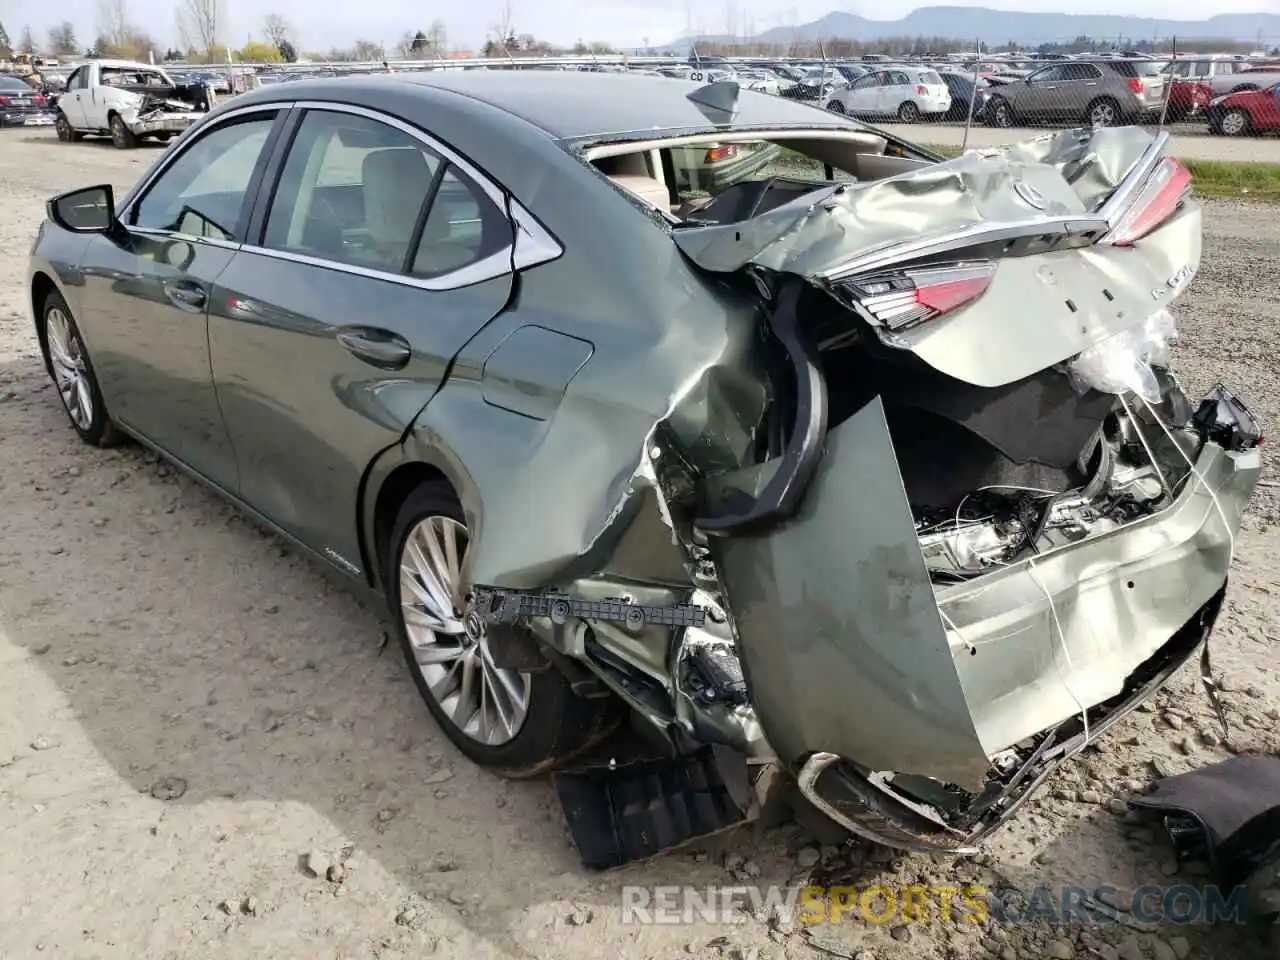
{"type": "Point", "coordinates": [1098, 92]}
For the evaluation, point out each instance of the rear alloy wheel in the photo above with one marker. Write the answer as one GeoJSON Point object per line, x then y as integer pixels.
{"type": "Point", "coordinates": [517, 723]}
{"type": "Point", "coordinates": [1000, 112]}
{"type": "Point", "coordinates": [909, 112]}
{"type": "Point", "coordinates": [1103, 113]}
{"type": "Point", "coordinates": [68, 364]}
{"type": "Point", "coordinates": [1234, 123]}
{"type": "Point", "coordinates": [121, 135]}
{"type": "Point", "coordinates": [835, 106]}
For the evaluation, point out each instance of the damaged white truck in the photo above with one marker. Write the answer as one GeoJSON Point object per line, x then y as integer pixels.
{"type": "Point", "coordinates": [128, 102]}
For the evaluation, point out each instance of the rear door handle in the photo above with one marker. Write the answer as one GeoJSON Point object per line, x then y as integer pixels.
{"type": "Point", "coordinates": [186, 294]}
{"type": "Point", "coordinates": [376, 347]}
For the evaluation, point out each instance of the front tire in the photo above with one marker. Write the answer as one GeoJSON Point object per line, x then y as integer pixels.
{"type": "Point", "coordinates": [66, 133]}
{"type": "Point", "coordinates": [1234, 123]}
{"type": "Point", "coordinates": [835, 106]}
{"type": "Point", "coordinates": [121, 136]}
{"type": "Point", "coordinates": [67, 361]}
{"type": "Point", "coordinates": [516, 724]}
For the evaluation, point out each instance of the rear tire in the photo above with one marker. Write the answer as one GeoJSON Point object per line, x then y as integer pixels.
{"type": "Point", "coordinates": [1000, 113]}
{"type": "Point", "coordinates": [454, 670]}
{"type": "Point", "coordinates": [1103, 112]}
{"type": "Point", "coordinates": [66, 360]}
{"type": "Point", "coordinates": [835, 106]}
{"type": "Point", "coordinates": [909, 112]}
{"type": "Point", "coordinates": [121, 136]}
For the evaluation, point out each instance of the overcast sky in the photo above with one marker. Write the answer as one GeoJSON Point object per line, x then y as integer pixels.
{"type": "Point", "coordinates": [328, 23]}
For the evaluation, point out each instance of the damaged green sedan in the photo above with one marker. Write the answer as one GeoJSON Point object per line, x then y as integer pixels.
{"type": "Point", "coordinates": [827, 467]}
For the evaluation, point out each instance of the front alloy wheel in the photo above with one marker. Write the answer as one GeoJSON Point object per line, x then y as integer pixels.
{"type": "Point", "coordinates": [1234, 123]}
{"type": "Point", "coordinates": [68, 364]}
{"type": "Point", "coordinates": [519, 722]}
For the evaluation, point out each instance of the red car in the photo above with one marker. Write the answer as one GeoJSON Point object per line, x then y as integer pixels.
{"type": "Point", "coordinates": [1248, 111]}
{"type": "Point", "coordinates": [1187, 98]}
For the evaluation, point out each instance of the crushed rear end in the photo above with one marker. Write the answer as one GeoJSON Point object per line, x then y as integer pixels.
{"type": "Point", "coordinates": [984, 521]}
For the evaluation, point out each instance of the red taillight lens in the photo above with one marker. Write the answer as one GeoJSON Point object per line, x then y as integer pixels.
{"type": "Point", "coordinates": [1157, 200]}
{"type": "Point", "coordinates": [39, 100]}
{"type": "Point", "coordinates": [915, 295]}
{"type": "Point", "coordinates": [715, 154]}
{"type": "Point", "coordinates": [1135, 85]}
{"type": "Point", "coordinates": [922, 90]}
{"type": "Point", "coordinates": [4, 101]}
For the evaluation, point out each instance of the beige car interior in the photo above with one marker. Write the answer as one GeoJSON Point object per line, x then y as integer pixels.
{"type": "Point", "coordinates": [632, 167]}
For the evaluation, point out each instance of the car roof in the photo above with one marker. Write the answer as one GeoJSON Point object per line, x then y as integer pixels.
{"type": "Point", "coordinates": [573, 106]}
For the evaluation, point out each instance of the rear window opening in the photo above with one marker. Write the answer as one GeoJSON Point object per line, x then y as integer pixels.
{"type": "Point", "coordinates": [731, 178]}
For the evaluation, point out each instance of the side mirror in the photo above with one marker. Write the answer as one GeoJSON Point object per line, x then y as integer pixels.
{"type": "Point", "coordinates": [87, 210]}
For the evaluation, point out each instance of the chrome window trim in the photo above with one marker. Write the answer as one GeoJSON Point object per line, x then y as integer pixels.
{"type": "Point", "coordinates": [494, 265]}
{"type": "Point", "coordinates": [533, 244]}
{"type": "Point", "coordinates": [167, 159]}
{"type": "Point", "coordinates": [188, 237]}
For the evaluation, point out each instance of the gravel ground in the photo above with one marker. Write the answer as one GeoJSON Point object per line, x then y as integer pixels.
{"type": "Point", "coordinates": [1188, 142]}
{"type": "Point", "coordinates": [204, 749]}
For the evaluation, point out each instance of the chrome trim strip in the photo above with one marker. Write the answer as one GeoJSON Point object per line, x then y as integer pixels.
{"type": "Point", "coordinates": [189, 238]}
{"type": "Point", "coordinates": [494, 265]}
{"type": "Point", "coordinates": [969, 236]}
{"type": "Point", "coordinates": [533, 244]}
{"type": "Point", "coordinates": [814, 767]}
{"type": "Point", "coordinates": [168, 158]}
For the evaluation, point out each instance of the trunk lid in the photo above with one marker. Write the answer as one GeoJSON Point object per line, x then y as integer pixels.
{"type": "Point", "coordinates": [1034, 211]}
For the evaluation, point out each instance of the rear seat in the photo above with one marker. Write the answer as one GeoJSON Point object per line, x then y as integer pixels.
{"type": "Point", "coordinates": [632, 174]}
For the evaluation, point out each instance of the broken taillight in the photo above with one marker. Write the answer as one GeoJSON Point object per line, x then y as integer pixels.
{"type": "Point", "coordinates": [922, 90]}
{"type": "Point", "coordinates": [1158, 200]}
{"type": "Point", "coordinates": [715, 154]}
{"type": "Point", "coordinates": [914, 295]}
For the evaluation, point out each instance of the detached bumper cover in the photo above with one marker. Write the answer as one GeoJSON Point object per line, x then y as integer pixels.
{"type": "Point", "coordinates": [848, 650]}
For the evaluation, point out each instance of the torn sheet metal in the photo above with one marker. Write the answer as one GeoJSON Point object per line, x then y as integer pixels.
{"type": "Point", "coordinates": [953, 675]}
{"type": "Point", "coordinates": [1060, 176]}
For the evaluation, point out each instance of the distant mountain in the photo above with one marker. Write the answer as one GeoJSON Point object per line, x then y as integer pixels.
{"type": "Point", "coordinates": [1023, 29]}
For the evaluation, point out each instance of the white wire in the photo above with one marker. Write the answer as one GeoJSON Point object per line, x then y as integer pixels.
{"type": "Point", "coordinates": [1222, 514]}
{"type": "Point", "coordinates": [1066, 652]}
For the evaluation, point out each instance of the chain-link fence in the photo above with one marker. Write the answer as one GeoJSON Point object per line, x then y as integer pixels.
{"type": "Point", "coordinates": [964, 99]}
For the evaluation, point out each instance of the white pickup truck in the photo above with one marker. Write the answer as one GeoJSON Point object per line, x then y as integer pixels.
{"type": "Point", "coordinates": [127, 101]}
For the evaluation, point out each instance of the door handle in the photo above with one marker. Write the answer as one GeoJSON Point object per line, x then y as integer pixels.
{"type": "Point", "coordinates": [378, 348]}
{"type": "Point", "coordinates": [186, 294]}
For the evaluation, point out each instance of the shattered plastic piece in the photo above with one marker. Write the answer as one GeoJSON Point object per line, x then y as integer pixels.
{"type": "Point", "coordinates": [503, 606]}
{"type": "Point", "coordinates": [1124, 362]}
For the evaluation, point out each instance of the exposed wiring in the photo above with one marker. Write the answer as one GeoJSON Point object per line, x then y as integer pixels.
{"type": "Point", "coordinates": [1222, 514]}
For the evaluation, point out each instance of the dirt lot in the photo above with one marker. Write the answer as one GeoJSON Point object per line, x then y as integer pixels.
{"type": "Point", "coordinates": [189, 714]}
